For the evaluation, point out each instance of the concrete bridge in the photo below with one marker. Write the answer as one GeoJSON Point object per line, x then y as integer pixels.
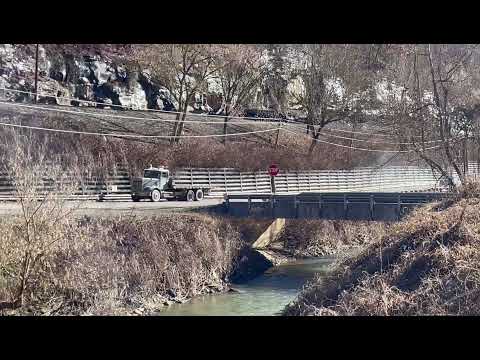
{"type": "Point", "coordinates": [348, 205]}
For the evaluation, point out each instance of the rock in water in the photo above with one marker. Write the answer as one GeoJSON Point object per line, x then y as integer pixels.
{"type": "Point", "coordinates": [251, 264]}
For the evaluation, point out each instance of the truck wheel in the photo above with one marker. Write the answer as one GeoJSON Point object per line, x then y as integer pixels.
{"type": "Point", "coordinates": [198, 195]}
{"type": "Point", "coordinates": [136, 199]}
{"type": "Point", "coordinates": [190, 195]}
{"type": "Point", "coordinates": [155, 197]}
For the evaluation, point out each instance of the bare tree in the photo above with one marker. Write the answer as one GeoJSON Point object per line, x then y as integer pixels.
{"type": "Point", "coordinates": [334, 86]}
{"type": "Point", "coordinates": [239, 70]}
{"type": "Point", "coordinates": [181, 68]}
{"type": "Point", "coordinates": [42, 188]}
{"type": "Point", "coordinates": [436, 109]}
{"type": "Point", "coordinates": [275, 83]}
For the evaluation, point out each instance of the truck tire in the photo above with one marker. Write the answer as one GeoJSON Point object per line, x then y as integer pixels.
{"type": "Point", "coordinates": [190, 195]}
{"type": "Point", "coordinates": [198, 195]}
{"type": "Point", "coordinates": [135, 198]}
{"type": "Point", "coordinates": [155, 196]}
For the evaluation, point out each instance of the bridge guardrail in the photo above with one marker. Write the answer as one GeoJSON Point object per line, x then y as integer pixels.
{"type": "Point", "coordinates": [231, 181]}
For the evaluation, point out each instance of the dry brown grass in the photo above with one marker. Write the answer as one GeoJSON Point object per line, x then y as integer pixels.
{"type": "Point", "coordinates": [425, 265]}
{"type": "Point", "coordinates": [245, 156]}
{"type": "Point", "coordinates": [101, 267]}
{"type": "Point", "coordinates": [327, 237]}
{"type": "Point", "coordinates": [98, 155]}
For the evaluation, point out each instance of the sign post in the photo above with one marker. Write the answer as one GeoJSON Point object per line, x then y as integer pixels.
{"type": "Point", "coordinates": [273, 171]}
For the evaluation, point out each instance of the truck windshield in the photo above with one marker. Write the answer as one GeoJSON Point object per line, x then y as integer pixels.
{"type": "Point", "coordinates": [152, 174]}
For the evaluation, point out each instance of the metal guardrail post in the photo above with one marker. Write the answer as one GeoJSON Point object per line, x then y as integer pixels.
{"type": "Point", "coordinates": [295, 206]}
{"type": "Point", "coordinates": [298, 182]}
{"type": "Point", "coordinates": [225, 179]}
{"type": "Point", "coordinates": [372, 204]}
{"type": "Point", "coordinates": [328, 179]}
{"type": "Point", "coordinates": [272, 205]}
{"type": "Point", "coordinates": [320, 205]}
{"type": "Point", "coordinates": [399, 206]}
{"type": "Point", "coordinates": [249, 199]}
{"type": "Point", "coordinates": [345, 206]}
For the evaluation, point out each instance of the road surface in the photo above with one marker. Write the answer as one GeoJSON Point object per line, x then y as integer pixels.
{"type": "Point", "coordinates": [125, 207]}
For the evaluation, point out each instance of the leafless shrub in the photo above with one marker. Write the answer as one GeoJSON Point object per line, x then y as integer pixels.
{"type": "Point", "coordinates": [322, 237]}
{"type": "Point", "coordinates": [42, 187]}
{"type": "Point", "coordinates": [471, 189]}
{"type": "Point", "coordinates": [105, 266]}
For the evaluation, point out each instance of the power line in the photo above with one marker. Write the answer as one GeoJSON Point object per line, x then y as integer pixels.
{"type": "Point", "coordinates": [250, 120]}
{"type": "Point", "coordinates": [81, 113]}
{"type": "Point", "coordinates": [200, 136]}
{"type": "Point", "coordinates": [358, 132]}
{"type": "Point", "coordinates": [272, 120]}
{"type": "Point", "coordinates": [364, 149]}
{"type": "Point", "coordinates": [373, 141]}
{"type": "Point", "coordinates": [347, 131]}
{"type": "Point", "coordinates": [378, 142]}
{"type": "Point", "coordinates": [222, 117]}
{"type": "Point", "coordinates": [131, 135]}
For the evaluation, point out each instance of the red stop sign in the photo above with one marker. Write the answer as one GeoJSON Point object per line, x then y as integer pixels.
{"type": "Point", "coordinates": [273, 170]}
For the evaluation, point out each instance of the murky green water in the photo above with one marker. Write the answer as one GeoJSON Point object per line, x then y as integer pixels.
{"type": "Point", "coordinates": [265, 295]}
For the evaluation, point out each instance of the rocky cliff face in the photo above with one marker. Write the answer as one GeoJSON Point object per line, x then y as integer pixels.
{"type": "Point", "coordinates": [112, 81]}
{"type": "Point", "coordinates": [88, 78]}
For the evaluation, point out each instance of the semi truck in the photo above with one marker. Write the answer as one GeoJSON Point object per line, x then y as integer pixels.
{"type": "Point", "coordinates": [157, 184]}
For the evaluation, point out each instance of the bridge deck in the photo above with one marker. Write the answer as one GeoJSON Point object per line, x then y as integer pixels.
{"type": "Point", "coordinates": [350, 205]}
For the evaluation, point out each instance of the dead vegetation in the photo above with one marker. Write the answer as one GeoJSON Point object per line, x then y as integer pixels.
{"type": "Point", "coordinates": [309, 238]}
{"type": "Point", "coordinates": [104, 266]}
{"type": "Point", "coordinates": [425, 265]}
{"type": "Point", "coordinates": [52, 262]}
{"type": "Point", "coordinates": [42, 187]}
{"type": "Point", "coordinates": [98, 155]}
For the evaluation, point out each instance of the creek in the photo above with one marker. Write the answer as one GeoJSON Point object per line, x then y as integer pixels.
{"type": "Point", "coordinates": [265, 295]}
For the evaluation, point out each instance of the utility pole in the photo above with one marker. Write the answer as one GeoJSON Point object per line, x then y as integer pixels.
{"type": "Point", "coordinates": [36, 74]}
{"type": "Point", "coordinates": [225, 121]}
{"type": "Point", "coordinates": [278, 134]}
